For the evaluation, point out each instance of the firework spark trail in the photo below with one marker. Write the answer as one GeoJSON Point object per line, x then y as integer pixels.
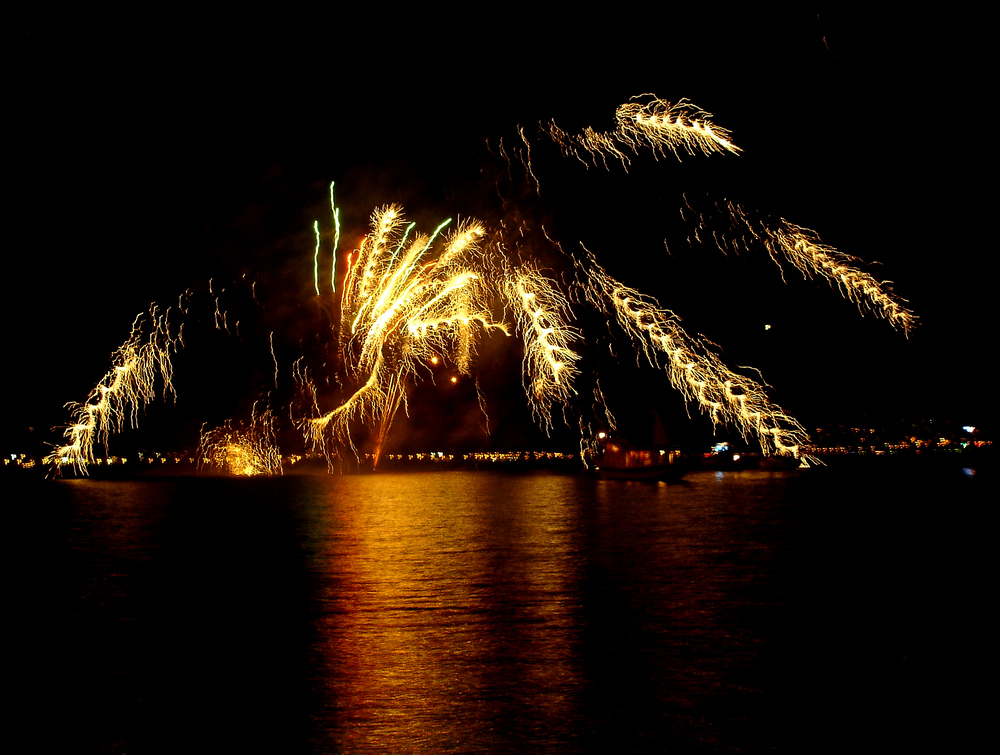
{"type": "Point", "coordinates": [647, 122]}
{"type": "Point", "coordinates": [316, 256]}
{"type": "Point", "coordinates": [541, 313]}
{"type": "Point", "coordinates": [129, 386]}
{"type": "Point", "coordinates": [335, 212]}
{"type": "Point", "coordinates": [661, 126]}
{"type": "Point", "coordinates": [695, 371]}
{"type": "Point", "coordinates": [245, 450]}
{"type": "Point", "coordinates": [335, 215]}
{"type": "Point", "coordinates": [803, 248]}
{"type": "Point", "coordinates": [406, 303]}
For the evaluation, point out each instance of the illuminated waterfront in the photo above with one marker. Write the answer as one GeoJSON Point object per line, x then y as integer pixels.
{"type": "Point", "coordinates": [929, 441]}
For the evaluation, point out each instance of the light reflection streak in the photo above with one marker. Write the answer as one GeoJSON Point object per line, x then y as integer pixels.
{"type": "Point", "coordinates": [410, 586]}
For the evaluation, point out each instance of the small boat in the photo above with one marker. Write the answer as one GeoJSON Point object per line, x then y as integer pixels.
{"type": "Point", "coordinates": [621, 460]}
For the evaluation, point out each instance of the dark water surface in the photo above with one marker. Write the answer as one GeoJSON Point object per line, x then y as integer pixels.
{"type": "Point", "coordinates": [490, 613]}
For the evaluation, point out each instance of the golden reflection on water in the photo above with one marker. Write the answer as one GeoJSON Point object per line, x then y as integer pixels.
{"type": "Point", "coordinates": [430, 584]}
{"type": "Point", "coordinates": [435, 612]}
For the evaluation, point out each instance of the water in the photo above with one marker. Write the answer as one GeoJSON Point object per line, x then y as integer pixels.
{"type": "Point", "coordinates": [490, 613]}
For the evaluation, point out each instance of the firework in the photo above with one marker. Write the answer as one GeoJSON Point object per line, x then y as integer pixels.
{"type": "Point", "coordinates": [803, 248]}
{"type": "Point", "coordinates": [249, 450]}
{"type": "Point", "coordinates": [693, 369]}
{"type": "Point", "coordinates": [410, 300]}
{"type": "Point", "coordinates": [542, 315]}
{"type": "Point", "coordinates": [405, 300]}
{"type": "Point", "coordinates": [646, 122]}
{"type": "Point", "coordinates": [127, 388]}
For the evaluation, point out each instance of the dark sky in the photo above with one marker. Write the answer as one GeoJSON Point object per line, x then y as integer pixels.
{"type": "Point", "coordinates": [151, 153]}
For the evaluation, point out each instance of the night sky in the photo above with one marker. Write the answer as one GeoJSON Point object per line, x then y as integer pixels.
{"type": "Point", "coordinates": [150, 154]}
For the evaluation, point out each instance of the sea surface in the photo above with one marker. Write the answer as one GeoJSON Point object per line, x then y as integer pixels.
{"type": "Point", "coordinates": [479, 612]}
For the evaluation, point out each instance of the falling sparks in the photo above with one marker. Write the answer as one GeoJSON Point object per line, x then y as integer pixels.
{"type": "Point", "coordinates": [549, 361]}
{"type": "Point", "coordinates": [406, 300]}
{"type": "Point", "coordinates": [127, 388]}
{"type": "Point", "coordinates": [652, 124]}
{"type": "Point", "coordinates": [240, 450]}
{"type": "Point", "coordinates": [693, 369]}
{"type": "Point", "coordinates": [803, 248]}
